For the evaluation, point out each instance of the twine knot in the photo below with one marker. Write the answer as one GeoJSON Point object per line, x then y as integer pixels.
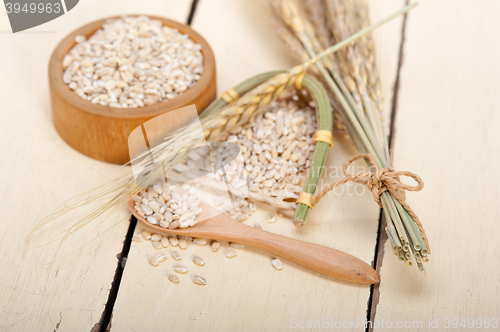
{"type": "Point", "coordinates": [378, 181]}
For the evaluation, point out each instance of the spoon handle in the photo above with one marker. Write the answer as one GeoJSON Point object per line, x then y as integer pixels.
{"type": "Point", "coordinates": [331, 262]}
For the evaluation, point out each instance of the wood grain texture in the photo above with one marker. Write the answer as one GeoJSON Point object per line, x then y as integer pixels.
{"type": "Point", "coordinates": [446, 131]}
{"type": "Point", "coordinates": [102, 132]}
{"type": "Point", "coordinates": [39, 171]}
{"type": "Point", "coordinates": [246, 293]}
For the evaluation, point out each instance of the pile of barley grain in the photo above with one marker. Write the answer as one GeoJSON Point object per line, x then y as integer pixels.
{"type": "Point", "coordinates": [167, 207]}
{"type": "Point", "coordinates": [277, 149]}
{"type": "Point", "coordinates": [132, 62]}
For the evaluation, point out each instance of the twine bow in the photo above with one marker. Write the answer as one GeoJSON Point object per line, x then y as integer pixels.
{"type": "Point", "coordinates": [379, 181]}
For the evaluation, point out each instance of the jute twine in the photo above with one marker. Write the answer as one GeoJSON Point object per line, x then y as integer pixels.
{"type": "Point", "coordinates": [379, 181]}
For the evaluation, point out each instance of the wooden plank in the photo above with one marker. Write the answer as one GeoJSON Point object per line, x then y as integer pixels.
{"type": "Point", "coordinates": [39, 172]}
{"type": "Point", "coordinates": [246, 293]}
{"type": "Point", "coordinates": [446, 132]}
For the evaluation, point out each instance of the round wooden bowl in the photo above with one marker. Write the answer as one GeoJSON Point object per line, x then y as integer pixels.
{"type": "Point", "coordinates": [101, 132]}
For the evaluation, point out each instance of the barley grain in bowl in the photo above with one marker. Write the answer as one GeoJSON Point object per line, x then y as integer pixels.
{"type": "Point", "coordinates": [132, 62]}
{"type": "Point", "coordinates": [111, 76]}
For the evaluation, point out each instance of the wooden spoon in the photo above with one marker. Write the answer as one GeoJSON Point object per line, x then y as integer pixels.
{"type": "Point", "coordinates": [218, 226]}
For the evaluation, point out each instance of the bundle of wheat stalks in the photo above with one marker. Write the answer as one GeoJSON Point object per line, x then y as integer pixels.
{"type": "Point", "coordinates": [310, 26]}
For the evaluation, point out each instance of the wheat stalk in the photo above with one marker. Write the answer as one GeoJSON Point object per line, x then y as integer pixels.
{"type": "Point", "coordinates": [315, 10]}
{"type": "Point", "coordinates": [362, 20]}
{"type": "Point", "coordinates": [343, 23]}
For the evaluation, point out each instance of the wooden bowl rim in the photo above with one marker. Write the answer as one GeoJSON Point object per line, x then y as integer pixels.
{"type": "Point", "coordinates": [56, 74]}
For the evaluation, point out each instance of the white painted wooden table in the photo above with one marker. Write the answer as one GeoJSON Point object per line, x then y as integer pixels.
{"type": "Point", "coordinates": [447, 110]}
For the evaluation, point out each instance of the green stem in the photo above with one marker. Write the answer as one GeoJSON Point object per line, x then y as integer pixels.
{"type": "Point", "coordinates": [324, 119]}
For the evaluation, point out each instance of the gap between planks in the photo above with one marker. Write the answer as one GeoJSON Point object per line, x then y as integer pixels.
{"type": "Point", "coordinates": [104, 324]}
{"type": "Point", "coordinates": [381, 234]}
